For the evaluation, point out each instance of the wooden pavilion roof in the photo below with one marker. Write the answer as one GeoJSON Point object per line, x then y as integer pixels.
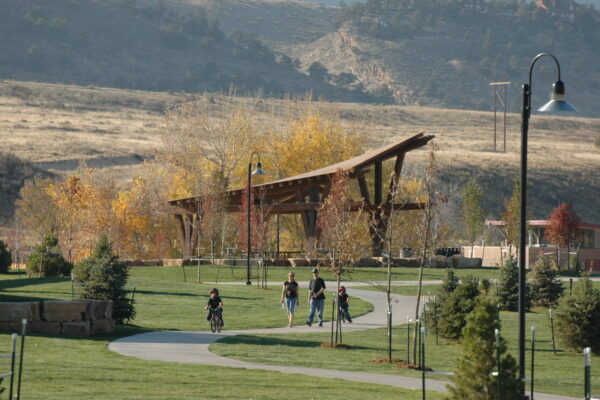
{"type": "Point", "coordinates": [284, 191]}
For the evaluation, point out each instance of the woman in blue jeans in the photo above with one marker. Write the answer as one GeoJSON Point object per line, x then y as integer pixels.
{"type": "Point", "coordinates": [289, 294]}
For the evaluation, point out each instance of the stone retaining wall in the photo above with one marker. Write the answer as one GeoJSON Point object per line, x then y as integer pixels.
{"type": "Point", "coordinates": [69, 318]}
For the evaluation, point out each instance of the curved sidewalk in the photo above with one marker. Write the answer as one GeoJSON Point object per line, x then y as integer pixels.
{"type": "Point", "coordinates": [192, 347]}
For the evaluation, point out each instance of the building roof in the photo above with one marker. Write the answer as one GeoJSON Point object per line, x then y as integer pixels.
{"type": "Point", "coordinates": [542, 223]}
{"type": "Point", "coordinates": [354, 166]}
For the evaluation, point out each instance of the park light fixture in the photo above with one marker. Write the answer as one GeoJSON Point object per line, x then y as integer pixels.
{"type": "Point", "coordinates": [257, 171]}
{"type": "Point", "coordinates": [557, 103]}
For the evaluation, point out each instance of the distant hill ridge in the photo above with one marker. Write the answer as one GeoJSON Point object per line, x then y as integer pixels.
{"type": "Point", "coordinates": [446, 52]}
{"type": "Point", "coordinates": [128, 44]}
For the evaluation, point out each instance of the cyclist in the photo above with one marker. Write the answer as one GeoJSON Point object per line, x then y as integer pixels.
{"type": "Point", "coordinates": [215, 303]}
{"type": "Point", "coordinates": [344, 303]}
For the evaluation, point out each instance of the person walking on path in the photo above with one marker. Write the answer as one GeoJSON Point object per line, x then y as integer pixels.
{"type": "Point", "coordinates": [289, 294]}
{"type": "Point", "coordinates": [316, 298]}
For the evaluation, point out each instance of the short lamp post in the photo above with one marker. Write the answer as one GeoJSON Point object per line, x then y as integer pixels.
{"type": "Point", "coordinates": [257, 171]}
{"type": "Point", "coordinates": [557, 103]}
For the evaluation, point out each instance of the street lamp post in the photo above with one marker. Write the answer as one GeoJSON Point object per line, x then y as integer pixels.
{"type": "Point", "coordinates": [257, 171]}
{"type": "Point", "coordinates": [557, 103]}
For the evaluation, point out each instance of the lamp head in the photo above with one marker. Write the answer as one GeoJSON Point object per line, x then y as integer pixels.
{"type": "Point", "coordinates": [558, 101]}
{"type": "Point", "coordinates": [258, 170]}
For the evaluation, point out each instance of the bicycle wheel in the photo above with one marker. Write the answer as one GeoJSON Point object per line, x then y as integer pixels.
{"type": "Point", "coordinates": [213, 324]}
{"type": "Point", "coordinates": [218, 323]}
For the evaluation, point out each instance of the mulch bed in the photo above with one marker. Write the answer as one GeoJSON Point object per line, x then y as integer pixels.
{"type": "Point", "coordinates": [386, 360]}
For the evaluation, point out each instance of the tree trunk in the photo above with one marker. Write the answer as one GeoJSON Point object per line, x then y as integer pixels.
{"type": "Point", "coordinates": [389, 312]}
{"type": "Point", "coordinates": [423, 256]}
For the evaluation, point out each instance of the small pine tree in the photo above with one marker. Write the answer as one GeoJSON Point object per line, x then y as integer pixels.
{"type": "Point", "coordinates": [473, 378]}
{"type": "Point", "coordinates": [546, 288]}
{"type": "Point", "coordinates": [5, 258]}
{"type": "Point", "coordinates": [507, 290]}
{"type": "Point", "coordinates": [104, 278]}
{"type": "Point", "coordinates": [578, 317]}
{"type": "Point", "coordinates": [454, 311]}
{"type": "Point", "coordinates": [433, 309]}
{"type": "Point", "coordinates": [46, 260]}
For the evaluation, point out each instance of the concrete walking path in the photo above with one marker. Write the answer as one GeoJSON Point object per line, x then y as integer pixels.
{"type": "Point", "coordinates": [192, 347]}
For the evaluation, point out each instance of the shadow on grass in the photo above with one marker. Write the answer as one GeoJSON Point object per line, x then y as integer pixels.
{"type": "Point", "coordinates": [18, 282]}
{"type": "Point", "coordinates": [272, 341]}
{"type": "Point", "coordinates": [120, 332]}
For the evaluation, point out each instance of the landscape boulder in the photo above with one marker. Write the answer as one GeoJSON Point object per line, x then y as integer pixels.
{"type": "Point", "coordinates": [18, 311]}
{"type": "Point", "coordinates": [79, 328]}
{"type": "Point", "coordinates": [65, 310]}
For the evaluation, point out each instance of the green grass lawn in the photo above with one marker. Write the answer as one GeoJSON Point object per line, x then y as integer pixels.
{"type": "Point", "coordinates": [560, 373]}
{"type": "Point", "coordinates": [162, 302]}
{"type": "Point", "coordinates": [78, 368]}
{"type": "Point", "coordinates": [214, 274]}
{"type": "Point", "coordinates": [75, 368]}
{"type": "Point", "coordinates": [407, 290]}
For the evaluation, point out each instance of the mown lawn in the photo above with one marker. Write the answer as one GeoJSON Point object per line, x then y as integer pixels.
{"type": "Point", "coordinates": [57, 368]}
{"type": "Point", "coordinates": [213, 274]}
{"type": "Point", "coordinates": [560, 373]}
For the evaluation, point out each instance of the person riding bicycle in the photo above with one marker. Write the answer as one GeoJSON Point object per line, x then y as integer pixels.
{"type": "Point", "coordinates": [344, 303]}
{"type": "Point", "coordinates": [214, 303]}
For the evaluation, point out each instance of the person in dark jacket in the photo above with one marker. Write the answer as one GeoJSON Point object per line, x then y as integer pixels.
{"type": "Point", "coordinates": [316, 298]}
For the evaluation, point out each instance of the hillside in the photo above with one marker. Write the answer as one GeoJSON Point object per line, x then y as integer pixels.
{"type": "Point", "coordinates": [421, 53]}
{"type": "Point", "coordinates": [13, 173]}
{"type": "Point", "coordinates": [61, 125]}
{"type": "Point", "coordinates": [145, 45]}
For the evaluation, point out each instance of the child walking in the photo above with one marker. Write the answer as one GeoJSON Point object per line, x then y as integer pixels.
{"type": "Point", "coordinates": [344, 303]}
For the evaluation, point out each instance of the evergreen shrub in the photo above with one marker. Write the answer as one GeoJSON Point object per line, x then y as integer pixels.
{"type": "Point", "coordinates": [104, 278]}
{"type": "Point", "coordinates": [507, 290]}
{"type": "Point", "coordinates": [546, 288]}
{"type": "Point", "coordinates": [46, 260]}
{"type": "Point", "coordinates": [578, 317]}
{"type": "Point", "coordinates": [473, 379]}
{"type": "Point", "coordinates": [453, 312]}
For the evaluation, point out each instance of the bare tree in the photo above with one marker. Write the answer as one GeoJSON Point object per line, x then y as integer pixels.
{"type": "Point", "coordinates": [341, 233]}
{"type": "Point", "coordinates": [401, 192]}
{"type": "Point", "coordinates": [430, 192]}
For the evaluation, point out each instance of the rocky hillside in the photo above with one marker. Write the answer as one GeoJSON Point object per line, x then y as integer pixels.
{"type": "Point", "coordinates": [446, 53]}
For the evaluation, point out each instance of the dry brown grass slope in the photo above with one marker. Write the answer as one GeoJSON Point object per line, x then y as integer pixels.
{"type": "Point", "coordinates": [51, 123]}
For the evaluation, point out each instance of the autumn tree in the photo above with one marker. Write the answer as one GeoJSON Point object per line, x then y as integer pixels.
{"type": "Point", "coordinates": [35, 208]}
{"type": "Point", "coordinates": [473, 212]}
{"type": "Point", "coordinates": [562, 228]}
{"type": "Point", "coordinates": [211, 135]}
{"type": "Point", "coordinates": [342, 230]}
{"type": "Point", "coordinates": [511, 215]}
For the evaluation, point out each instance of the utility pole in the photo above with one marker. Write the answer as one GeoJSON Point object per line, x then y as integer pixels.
{"type": "Point", "coordinates": [503, 101]}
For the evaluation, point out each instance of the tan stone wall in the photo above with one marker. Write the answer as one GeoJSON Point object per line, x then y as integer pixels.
{"type": "Point", "coordinates": [69, 318]}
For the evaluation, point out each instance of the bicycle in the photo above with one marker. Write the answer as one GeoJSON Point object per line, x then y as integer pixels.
{"type": "Point", "coordinates": [215, 321]}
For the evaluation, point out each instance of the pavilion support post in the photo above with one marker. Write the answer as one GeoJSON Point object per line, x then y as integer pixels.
{"type": "Point", "coordinates": [378, 183]}
{"type": "Point", "coordinates": [309, 223]}
{"type": "Point", "coordinates": [188, 234]}
{"type": "Point", "coordinates": [378, 226]}
{"type": "Point", "coordinates": [184, 232]}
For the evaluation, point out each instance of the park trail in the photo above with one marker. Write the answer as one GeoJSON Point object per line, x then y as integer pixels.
{"type": "Point", "coordinates": [192, 347]}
